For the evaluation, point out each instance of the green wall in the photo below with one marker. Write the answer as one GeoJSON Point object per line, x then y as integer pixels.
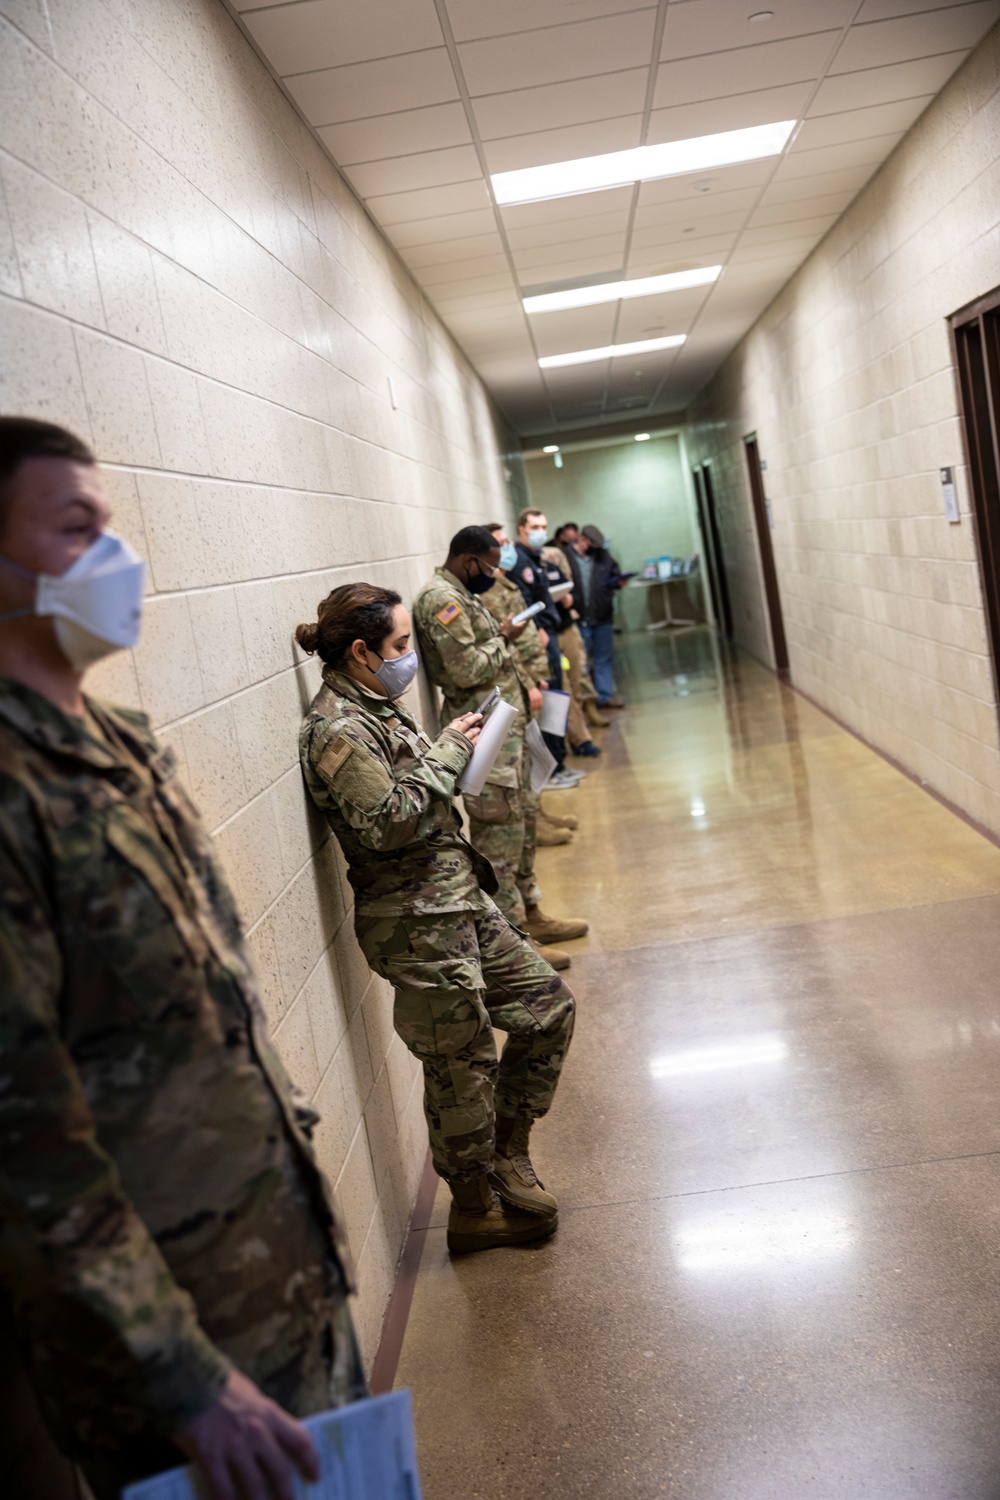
{"type": "Point", "coordinates": [636, 493]}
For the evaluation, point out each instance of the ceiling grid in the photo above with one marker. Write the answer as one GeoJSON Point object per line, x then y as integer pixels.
{"type": "Point", "coordinates": [421, 102]}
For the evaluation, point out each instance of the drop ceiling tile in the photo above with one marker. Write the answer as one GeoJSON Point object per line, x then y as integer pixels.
{"type": "Point", "coordinates": [448, 306]}
{"type": "Point", "coordinates": [440, 227]}
{"type": "Point", "coordinates": [707, 250]}
{"type": "Point", "coordinates": [557, 53]}
{"type": "Point", "coordinates": [785, 210]}
{"type": "Point", "coordinates": [570, 267]}
{"type": "Point", "coordinates": [769, 65]}
{"type": "Point", "coordinates": [692, 186]}
{"type": "Point", "coordinates": [453, 271]}
{"type": "Point", "coordinates": [860, 124]}
{"type": "Point", "coordinates": [675, 231]}
{"type": "Point", "coordinates": [653, 317]}
{"type": "Point", "coordinates": [333, 95]}
{"type": "Point", "coordinates": [563, 145]}
{"type": "Point", "coordinates": [869, 153]}
{"type": "Point", "coordinates": [701, 212]}
{"type": "Point", "coordinates": [402, 134]}
{"type": "Point", "coordinates": [690, 31]}
{"type": "Point", "coordinates": [881, 10]}
{"type": "Point", "coordinates": [787, 185]}
{"type": "Point", "coordinates": [470, 286]}
{"type": "Point", "coordinates": [735, 113]}
{"type": "Point", "coordinates": [427, 169]}
{"type": "Point", "coordinates": [326, 33]}
{"type": "Point", "coordinates": [565, 210]}
{"type": "Point", "coordinates": [905, 37]}
{"type": "Point", "coordinates": [560, 104]}
{"type": "Point", "coordinates": [908, 80]}
{"type": "Point", "coordinates": [428, 203]}
{"type": "Point", "coordinates": [472, 247]}
{"type": "Point", "coordinates": [561, 233]}
{"type": "Point", "coordinates": [471, 19]}
{"type": "Point", "coordinates": [580, 328]}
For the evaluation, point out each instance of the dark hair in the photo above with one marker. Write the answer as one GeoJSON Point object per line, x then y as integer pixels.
{"type": "Point", "coordinates": [566, 526]}
{"type": "Point", "coordinates": [496, 526]}
{"type": "Point", "coordinates": [354, 612]}
{"type": "Point", "coordinates": [472, 541]}
{"type": "Point", "coordinates": [527, 513]}
{"type": "Point", "coordinates": [27, 437]}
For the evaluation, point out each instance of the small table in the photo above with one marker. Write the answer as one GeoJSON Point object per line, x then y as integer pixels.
{"type": "Point", "coordinates": [670, 621]}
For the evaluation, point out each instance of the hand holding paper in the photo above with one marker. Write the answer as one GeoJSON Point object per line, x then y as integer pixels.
{"type": "Point", "coordinates": [488, 747]}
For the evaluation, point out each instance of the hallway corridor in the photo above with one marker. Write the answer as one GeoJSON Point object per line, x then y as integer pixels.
{"type": "Point", "coordinates": [777, 1141]}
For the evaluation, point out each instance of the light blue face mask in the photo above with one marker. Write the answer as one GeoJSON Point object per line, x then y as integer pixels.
{"type": "Point", "coordinates": [537, 537]}
{"type": "Point", "coordinates": [508, 556]}
{"type": "Point", "coordinates": [397, 672]}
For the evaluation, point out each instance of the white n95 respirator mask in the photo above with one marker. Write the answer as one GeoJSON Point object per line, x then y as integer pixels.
{"type": "Point", "coordinates": [96, 605]}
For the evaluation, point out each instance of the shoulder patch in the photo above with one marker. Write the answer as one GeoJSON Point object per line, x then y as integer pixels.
{"type": "Point", "coordinates": [449, 613]}
{"type": "Point", "coordinates": [335, 754]}
{"type": "Point", "coordinates": [528, 574]}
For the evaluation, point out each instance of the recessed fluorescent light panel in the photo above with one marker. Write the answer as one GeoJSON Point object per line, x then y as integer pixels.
{"type": "Point", "coordinates": [591, 174]}
{"type": "Point", "coordinates": [610, 351]}
{"type": "Point", "coordinates": [621, 291]}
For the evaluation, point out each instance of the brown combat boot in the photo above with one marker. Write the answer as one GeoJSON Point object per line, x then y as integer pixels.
{"type": "Point", "coordinates": [552, 929]}
{"type": "Point", "coordinates": [479, 1221]}
{"type": "Point", "coordinates": [560, 819]}
{"type": "Point", "coordinates": [513, 1176]}
{"type": "Point", "coordinates": [554, 957]}
{"type": "Point", "coordinates": [594, 717]}
{"type": "Point", "coordinates": [548, 835]}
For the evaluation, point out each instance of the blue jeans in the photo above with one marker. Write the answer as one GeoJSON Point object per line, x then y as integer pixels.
{"type": "Point", "coordinates": [600, 643]}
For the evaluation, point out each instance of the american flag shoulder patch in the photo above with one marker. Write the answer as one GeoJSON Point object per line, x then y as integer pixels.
{"type": "Point", "coordinates": [449, 613]}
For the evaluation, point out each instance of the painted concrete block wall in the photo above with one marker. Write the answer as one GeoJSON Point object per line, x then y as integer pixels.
{"type": "Point", "coordinates": [187, 282]}
{"type": "Point", "coordinates": [848, 380]}
{"type": "Point", "coordinates": [637, 494]}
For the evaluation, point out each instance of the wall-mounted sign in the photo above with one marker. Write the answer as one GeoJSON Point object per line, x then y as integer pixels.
{"type": "Point", "coordinates": [948, 494]}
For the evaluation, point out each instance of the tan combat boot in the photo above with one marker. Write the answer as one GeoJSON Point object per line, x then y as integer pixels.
{"type": "Point", "coordinates": [548, 835]}
{"type": "Point", "coordinates": [479, 1221]}
{"type": "Point", "coordinates": [513, 1176]}
{"type": "Point", "coordinates": [560, 819]}
{"type": "Point", "coordinates": [554, 957]}
{"type": "Point", "coordinates": [552, 929]}
{"type": "Point", "coordinates": [595, 718]}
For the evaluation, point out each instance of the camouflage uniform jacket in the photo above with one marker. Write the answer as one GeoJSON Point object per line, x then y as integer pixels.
{"type": "Point", "coordinates": [531, 661]}
{"type": "Point", "coordinates": [151, 1145]}
{"type": "Point", "coordinates": [465, 656]}
{"type": "Point", "coordinates": [387, 793]}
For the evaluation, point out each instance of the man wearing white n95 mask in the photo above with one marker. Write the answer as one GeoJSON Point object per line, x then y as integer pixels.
{"type": "Point", "coordinates": [173, 1263]}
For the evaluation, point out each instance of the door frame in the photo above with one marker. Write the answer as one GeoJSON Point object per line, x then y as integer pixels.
{"type": "Point", "coordinates": [975, 339]}
{"type": "Point", "coordinates": [769, 572]}
{"type": "Point", "coordinates": [715, 564]}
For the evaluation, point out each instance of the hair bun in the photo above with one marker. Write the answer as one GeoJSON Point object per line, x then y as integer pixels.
{"type": "Point", "coordinates": [307, 637]}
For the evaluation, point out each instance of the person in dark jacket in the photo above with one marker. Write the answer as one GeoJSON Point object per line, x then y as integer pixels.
{"type": "Point", "coordinates": [600, 580]}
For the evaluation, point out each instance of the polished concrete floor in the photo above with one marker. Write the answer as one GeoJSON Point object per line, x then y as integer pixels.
{"type": "Point", "coordinates": [776, 1144]}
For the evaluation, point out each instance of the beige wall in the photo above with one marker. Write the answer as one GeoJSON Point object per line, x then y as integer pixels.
{"type": "Point", "coordinates": [185, 280]}
{"type": "Point", "coordinates": [848, 381]}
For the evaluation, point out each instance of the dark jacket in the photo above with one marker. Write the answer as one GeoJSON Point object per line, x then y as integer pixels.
{"type": "Point", "coordinates": [533, 576]}
{"type": "Point", "coordinates": [599, 607]}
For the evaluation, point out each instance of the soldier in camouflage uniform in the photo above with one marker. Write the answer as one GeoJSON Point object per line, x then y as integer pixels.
{"type": "Point", "coordinates": [466, 654]}
{"type": "Point", "coordinates": [425, 920]}
{"type": "Point", "coordinates": [166, 1237]}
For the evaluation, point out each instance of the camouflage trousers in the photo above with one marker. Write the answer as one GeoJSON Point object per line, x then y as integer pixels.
{"type": "Point", "coordinates": [503, 826]}
{"type": "Point", "coordinates": [456, 976]}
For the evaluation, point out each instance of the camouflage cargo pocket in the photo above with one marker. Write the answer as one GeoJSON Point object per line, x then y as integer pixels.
{"type": "Point", "coordinates": [498, 804]}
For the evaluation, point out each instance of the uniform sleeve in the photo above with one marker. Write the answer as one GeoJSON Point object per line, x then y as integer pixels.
{"type": "Point", "coordinates": [533, 655]}
{"type": "Point", "coordinates": [387, 811]}
{"type": "Point", "coordinates": [469, 663]}
{"type": "Point", "coordinates": [77, 1249]}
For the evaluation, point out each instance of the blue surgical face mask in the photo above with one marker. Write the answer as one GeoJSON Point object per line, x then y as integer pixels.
{"type": "Point", "coordinates": [397, 672]}
{"type": "Point", "coordinates": [537, 537]}
{"type": "Point", "coordinates": [508, 556]}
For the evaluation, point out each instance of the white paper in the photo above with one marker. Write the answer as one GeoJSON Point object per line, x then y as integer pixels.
{"type": "Point", "coordinates": [540, 758]}
{"type": "Point", "coordinates": [488, 747]}
{"type": "Point", "coordinates": [555, 711]}
{"type": "Point", "coordinates": [366, 1451]}
{"type": "Point", "coordinates": [558, 590]}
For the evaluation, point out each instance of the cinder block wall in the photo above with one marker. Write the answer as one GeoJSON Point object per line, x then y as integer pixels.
{"type": "Point", "coordinates": [186, 281]}
{"type": "Point", "coordinates": [848, 380]}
